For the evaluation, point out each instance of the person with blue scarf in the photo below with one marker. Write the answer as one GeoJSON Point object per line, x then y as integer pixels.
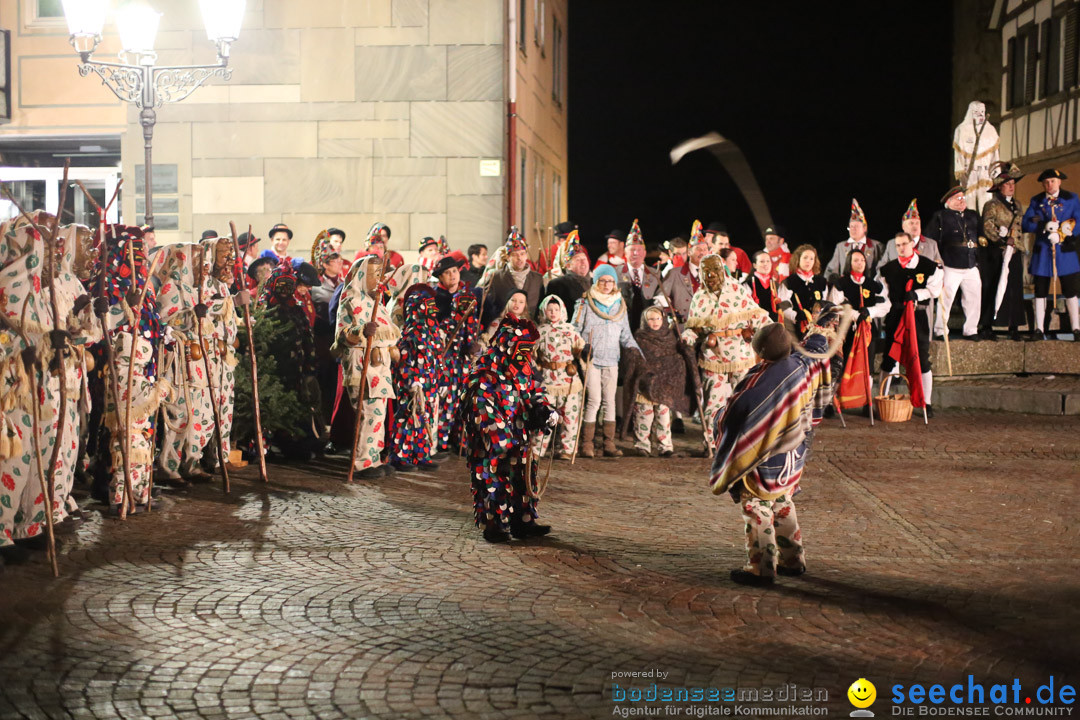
{"type": "Point", "coordinates": [600, 317]}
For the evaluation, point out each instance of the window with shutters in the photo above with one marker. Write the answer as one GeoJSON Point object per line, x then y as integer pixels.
{"type": "Point", "coordinates": [1050, 57]}
{"type": "Point", "coordinates": [1031, 58]}
{"type": "Point", "coordinates": [1072, 17]}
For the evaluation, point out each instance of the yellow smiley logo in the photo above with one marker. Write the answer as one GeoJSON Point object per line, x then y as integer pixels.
{"type": "Point", "coordinates": [862, 693]}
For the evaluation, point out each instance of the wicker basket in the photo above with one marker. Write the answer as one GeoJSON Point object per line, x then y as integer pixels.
{"type": "Point", "coordinates": [894, 408]}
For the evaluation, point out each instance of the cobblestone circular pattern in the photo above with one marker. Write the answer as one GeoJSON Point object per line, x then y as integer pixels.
{"type": "Point", "coordinates": [933, 552]}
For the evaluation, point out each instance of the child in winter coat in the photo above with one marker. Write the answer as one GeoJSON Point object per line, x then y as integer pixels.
{"type": "Point", "coordinates": [559, 345]}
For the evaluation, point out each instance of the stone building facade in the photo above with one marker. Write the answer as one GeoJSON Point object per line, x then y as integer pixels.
{"type": "Point", "coordinates": [338, 113]}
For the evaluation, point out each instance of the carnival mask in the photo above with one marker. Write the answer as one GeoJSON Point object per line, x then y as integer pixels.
{"type": "Point", "coordinates": [712, 273]}
{"type": "Point", "coordinates": [978, 113]}
{"type": "Point", "coordinates": [85, 265]}
{"type": "Point", "coordinates": [285, 287]}
{"type": "Point", "coordinates": [224, 260]}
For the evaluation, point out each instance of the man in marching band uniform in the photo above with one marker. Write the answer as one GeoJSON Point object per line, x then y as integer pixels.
{"type": "Point", "coordinates": [1002, 218]}
{"type": "Point", "coordinates": [1052, 215]}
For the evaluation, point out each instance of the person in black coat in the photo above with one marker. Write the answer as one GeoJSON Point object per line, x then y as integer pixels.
{"type": "Point", "coordinates": [956, 230]}
{"type": "Point", "coordinates": [575, 281]}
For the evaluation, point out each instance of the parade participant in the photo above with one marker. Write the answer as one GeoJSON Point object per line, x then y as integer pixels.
{"type": "Point", "coordinates": [662, 384]}
{"type": "Point", "coordinates": [766, 432]}
{"type": "Point", "coordinates": [460, 324]}
{"type": "Point", "coordinates": [639, 283]}
{"type": "Point", "coordinates": [478, 257]}
{"type": "Point", "coordinates": [327, 261]}
{"type": "Point", "coordinates": [282, 322]}
{"type": "Point", "coordinates": [857, 238]}
{"type": "Point", "coordinates": [337, 240]}
{"type": "Point", "coordinates": [189, 419]}
{"type": "Point", "coordinates": [558, 347]}
{"type": "Point", "coordinates": [616, 250]}
{"type": "Point", "coordinates": [911, 223]}
{"type": "Point", "coordinates": [677, 249]}
{"type": "Point", "coordinates": [1055, 252]}
{"type": "Point", "coordinates": [803, 288]}
{"type": "Point", "coordinates": [258, 272]}
{"type": "Point", "coordinates": [362, 318]}
{"type": "Point", "coordinates": [1001, 225]}
{"type": "Point", "coordinates": [429, 253]}
{"type": "Point", "coordinates": [717, 236]}
{"type": "Point", "coordinates": [601, 318]}
{"type": "Point", "coordinates": [910, 278]}
{"type": "Point", "coordinates": [517, 275]}
{"type": "Point", "coordinates": [149, 238]}
{"type": "Point", "coordinates": [762, 285]}
{"type": "Point", "coordinates": [416, 378]}
{"type": "Point", "coordinates": [503, 403]}
{"type": "Point", "coordinates": [778, 254]}
{"type": "Point", "coordinates": [378, 242]}
{"type": "Point", "coordinates": [864, 295]}
{"type": "Point", "coordinates": [249, 246]}
{"type": "Point", "coordinates": [723, 318]}
{"type": "Point", "coordinates": [572, 281]}
{"type": "Point", "coordinates": [956, 230]}
{"type": "Point", "coordinates": [680, 285]}
{"type": "Point", "coordinates": [136, 332]}
{"type": "Point", "coordinates": [731, 264]}
{"type": "Point", "coordinates": [280, 236]}
{"type": "Point", "coordinates": [398, 283]}
{"type": "Point", "coordinates": [222, 339]}
{"type": "Point", "coordinates": [975, 150]}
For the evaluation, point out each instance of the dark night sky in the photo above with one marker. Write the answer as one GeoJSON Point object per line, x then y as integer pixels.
{"type": "Point", "coordinates": [825, 105]}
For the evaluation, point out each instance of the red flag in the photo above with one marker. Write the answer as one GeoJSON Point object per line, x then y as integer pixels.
{"type": "Point", "coordinates": [855, 384]}
{"type": "Point", "coordinates": [905, 350]}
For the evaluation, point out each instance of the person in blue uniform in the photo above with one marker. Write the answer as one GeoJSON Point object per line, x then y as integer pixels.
{"type": "Point", "coordinates": [1055, 248]}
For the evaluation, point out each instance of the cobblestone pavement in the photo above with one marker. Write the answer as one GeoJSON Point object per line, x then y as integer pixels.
{"type": "Point", "coordinates": [933, 552]}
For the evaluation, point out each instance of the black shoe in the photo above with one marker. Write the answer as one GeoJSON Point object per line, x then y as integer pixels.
{"type": "Point", "coordinates": [667, 453]}
{"type": "Point", "coordinates": [403, 467]}
{"type": "Point", "coordinates": [1014, 335]}
{"type": "Point", "coordinates": [155, 492]}
{"type": "Point", "coordinates": [830, 412]}
{"type": "Point", "coordinates": [678, 427]}
{"type": "Point", "coordinates": [494, 535]}
{"type": "Point", "coordinates": [939, 338]}
{"type": "Point", "coordinates": [929, 411]}
{"type": "Point", "coordinates": [745, 577]}
{"type": "Point", "coordinates": [791, 572]}
{"type": "Point", "coordinates": [332, 449]}
{"type": "Point", "coordinates": [441, 455]}
{"type": "Point", "coordinates": [528, 530]}
{"type": "Point", "coordinates": [15, 554]}
{"type": "Point", "coordinates": [988, 335]}
{"type": "Point", "coordinates": [369, 473]}
{"type": "Point", "coordinates": [1037, 335]}
{"type": "Point", "coordinates": [387, 470]}
{"type": "Point", "coordinates": [971, 338]}
{"type": "Point", "coordinates": [427, 465]}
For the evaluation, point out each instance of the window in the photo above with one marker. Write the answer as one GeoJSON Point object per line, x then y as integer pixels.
{"type": "Point", "coordinates": [50, 8]}
{"type": "Point", "coordinates": [556, 61]}
{"type": "Point", "coordinates": [556, 199]}
{"type": "Point", "coordinates": [1050, 54]}
{"type": "Point", "coordinates": [521, 25]}
{"type": "Point", "coordinates": [538, 199]}
{"type": "Point", "coordinates": [539, 24]}
{"type": "Point", "coordinates": [1070, 45]}
{"type": "Point", "coordinates": [523, 195]}
{"type": "Point", "coordinates": [1022, 67]}
{"type": "Point", "coordinates": [5, 75]}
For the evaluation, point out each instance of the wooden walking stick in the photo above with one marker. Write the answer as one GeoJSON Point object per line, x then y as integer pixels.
{"type": "Point", "coordinates": [363, 372]}
{"type": "Point", "coordinates": [101, 311]}
{"type": "Point", "coordinates": [59, 348]}
{"type": "Point", "coordinates": [239, 263]}
{"type": "Point", "coordinates": [45, 488]}
{"type": "Point", "coordinates": [206, 368]}
{"type": "Point", "coordinates": [581, 403]}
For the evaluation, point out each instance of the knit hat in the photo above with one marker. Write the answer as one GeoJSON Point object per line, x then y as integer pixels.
{"type": "Point", "coordinates": [515, 240]}
{"type": "Point", "coordinates": [772, 342]}
{"type": "Point", "coordinates": [634, 237]}
{"type": "Point", "coordinates": [857, 213]}
{"type": "Point", "coordinates": [604, 271]}
{"type": "Point", "coordinates": [912, 212]}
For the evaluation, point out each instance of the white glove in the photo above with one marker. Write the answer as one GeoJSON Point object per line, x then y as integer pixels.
{"type": "Point", "coordinates": [553, 419]}
{"type": "Point", "coordinates": [1052, 226]}
{"type": "Point", "coordinates": [1003, 231]}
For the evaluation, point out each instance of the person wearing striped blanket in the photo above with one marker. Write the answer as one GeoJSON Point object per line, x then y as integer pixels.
{"type": "Point", "coordinates": [766, 430]}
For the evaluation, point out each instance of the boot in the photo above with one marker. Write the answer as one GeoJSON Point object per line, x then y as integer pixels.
{"type": "Point", "coordinates": [588, 431]}
{"type": "Point", "coordinates": [609, 441]}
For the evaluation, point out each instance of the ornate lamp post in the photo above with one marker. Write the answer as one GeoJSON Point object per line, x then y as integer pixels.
{"type": "Point", "coordinates": [137, 79]}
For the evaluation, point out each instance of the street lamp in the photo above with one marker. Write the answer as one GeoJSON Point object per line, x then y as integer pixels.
{"type": "Point", "coordinates": [136, 79]}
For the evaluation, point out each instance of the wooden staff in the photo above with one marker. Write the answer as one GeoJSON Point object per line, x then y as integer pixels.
{"type": "Point", "coordinates": [110, 353]}
{"type": "Point", "coordinates": [239, 263]}
{"type": "Point", "coordinates": [581, 403]}
{"type": "Point", "coordinates": [209, 375]}
{"type": "Point", "coordinates": [363, 373]}
{"type": "Point", "coordinates": [45, 488]}
{"type": "Point", "coordinates": [51, 269]}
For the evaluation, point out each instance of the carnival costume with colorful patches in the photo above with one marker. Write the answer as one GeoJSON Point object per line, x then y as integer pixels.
{"type": "Point", "coordinates": [354, 312]}
{"type": "Point", "coordinates": [723, 318]}
{"type": "Point", "coordinates": [559, 346]}
{"type": "Point", "coordinates": [503, 402]}
{"type": "Point", "coordinates": [766, 431]}
{"type": "Point", "coordinates": [124, 244]}
{"type": "Point", "coordinates": [416, 377]}
{"type": "Point", "coordinates": [460, 323]}
{"type": "Point", "coordinates": [222, 338]}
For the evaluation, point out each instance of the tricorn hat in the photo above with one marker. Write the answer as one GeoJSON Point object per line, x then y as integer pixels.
{"type": "Point", "coordinates": [1052, 173]}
